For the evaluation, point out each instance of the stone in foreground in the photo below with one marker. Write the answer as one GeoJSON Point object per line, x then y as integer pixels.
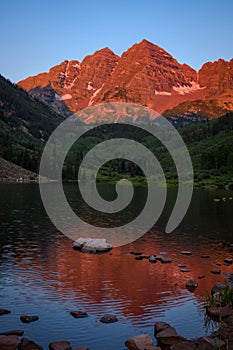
{"type": "Point", "coordinates": [78, 314]}
{"type": "Point", "coordinates": [169, 336]}
{"type": "Point", "coordinates": [92, 245]}
{"type": "Point", "coordinates": [9, 342]}
{"type": "Point", "coordinates": [28, 319]}
{"type": "Point", "coordinates": [141, 342]}
{"type": "Point", "coordinates": [108, 319]}
{"type": "Point", "coordinates": [60, 345]}
{"type": "Point", "coordinates": [191, 284]}
{"type": "Point", "coordinates": [27, 344]}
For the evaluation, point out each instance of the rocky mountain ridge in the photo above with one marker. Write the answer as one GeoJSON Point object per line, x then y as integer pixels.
{"type": "Point", "coordinates": [145, 74]}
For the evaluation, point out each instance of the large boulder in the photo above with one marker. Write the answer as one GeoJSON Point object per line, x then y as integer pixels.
{"type": "Point", "coordinates": [141, 342]}
{"type": "Point", "coordinates": [92, 245]}
{"type": "Point", "coordinates": [9, 342]}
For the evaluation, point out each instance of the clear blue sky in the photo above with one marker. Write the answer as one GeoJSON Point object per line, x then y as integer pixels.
{"type": "Point", "coordinates": [38, 34]}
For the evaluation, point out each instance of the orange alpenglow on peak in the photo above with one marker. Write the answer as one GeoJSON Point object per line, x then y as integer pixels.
{"type": "Point", "coordinates": [145, 74]}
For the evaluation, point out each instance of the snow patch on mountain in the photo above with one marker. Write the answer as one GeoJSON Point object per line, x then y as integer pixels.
{"type": "Point", "coordinates": [185, 89]}
{"type": "Point", "coordinates": [163, 93]}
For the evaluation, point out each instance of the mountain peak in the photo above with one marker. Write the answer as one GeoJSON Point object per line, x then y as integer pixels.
{"type": "Point", "coordinates": [145, 74]}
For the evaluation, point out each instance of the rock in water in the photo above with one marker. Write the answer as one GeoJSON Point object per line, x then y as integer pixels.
{"type": "Point", "coordinates": [28, 319]}
{"type": "Point", "coordinates": [141, 342]}
{"type": "Point", "coordinates": [14, 332]}
{"type": "Point", "coordinates": [185, 252]}
{"type": "Point", "coordinates": [191, 284]}
{"type": "Point", "coordinates": [27, 344]}
{"type": "Point", "coordinates": [108, 319]}
{"type": "Point", "coordinates": [4, 312]}
{"type": "Point", "coordinates": [60, 345]}
{"type": "Point", "coordinates": [152, 259]}
{"type": "Point", "coordinates": [78, 314]}
{"type": "Point", "coordinates": [92, 245]}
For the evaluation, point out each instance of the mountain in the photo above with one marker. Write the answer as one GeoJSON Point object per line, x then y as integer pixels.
{"type": "Point", "coordinates": [145, 74]}
{"type": "Point", "coordinates": [25, 125]}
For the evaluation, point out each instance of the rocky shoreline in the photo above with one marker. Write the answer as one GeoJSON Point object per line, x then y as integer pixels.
{"type": "Point", "coordinates": [167, 338]}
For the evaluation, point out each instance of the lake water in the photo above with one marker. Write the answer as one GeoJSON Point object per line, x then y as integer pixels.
{"type": "Point", "coordinates": [40, 273]}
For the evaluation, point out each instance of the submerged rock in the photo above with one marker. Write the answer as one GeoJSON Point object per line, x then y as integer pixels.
{"type": "Point", "coordinates": [60, 345]}
{"type": "Point", "coordinates": [27, 344]}
{"type": "Point", "coordinates": [141, 342]}
{"type": "Point", "coordinates": [191, 284]}
{"type": "Point", "coordinates": [107, 318]}
{"type": "Point", "coordinates": [92, 245]}
{"type": "Point", "coordinates": [28, 319]}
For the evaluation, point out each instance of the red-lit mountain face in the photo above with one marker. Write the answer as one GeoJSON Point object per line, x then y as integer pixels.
{"type": "Point", "coordinates": [144, 74]}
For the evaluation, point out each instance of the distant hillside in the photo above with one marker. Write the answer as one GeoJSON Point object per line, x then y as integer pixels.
{"type": "Point", "coordinates": [25, 125]}
{"type": "Point", "coordinates": [12, 172]}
